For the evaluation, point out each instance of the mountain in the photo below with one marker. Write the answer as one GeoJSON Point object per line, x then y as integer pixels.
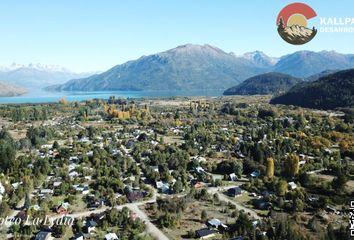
{"type": "Point", "coordinates": [329, 92]}
{"type": "Point", "coordinates": [185, 67]}
{"type": "Point", "coordinates": [9, 90]}
{"type": "Point", "coordinates": [196, 67]}
{"type": "Point", "coordinates": [303, 64]}
{"type": "Point", "coordinates": [34, 76]}
{"type": "Point", "coordinates": [268, 83]}
{"type": "Point", "coordinates": [260, 59]}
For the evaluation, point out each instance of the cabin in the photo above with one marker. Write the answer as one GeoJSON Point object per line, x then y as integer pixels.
{"type": "Point", "coordinates": [43, 235]}
{"type": "Point", "coordinates": [163, 187]}
{"type": "Point", "coordinates": [205, 233]}
{"type": "Point", "coordinates": [261, 204]}
{"type": "Point", "coordinates": [233, 177]}
{"type": "Point", "coordinates": [255, 174]}
{"type": "Point", "coordinates": [111, 236]}
{"type": "Point", "coordinates": [90, 226]}
{"type": "Point", "coordinates": [63, 208]}
{"type": "Point", "coordinates": [134, 196]}
{"type": "Point", "coordinates": [216, 224]}
{"type": "Point", "coordinates": [234, 192]}
{"type": "Point", "coordinates": [292, 185]}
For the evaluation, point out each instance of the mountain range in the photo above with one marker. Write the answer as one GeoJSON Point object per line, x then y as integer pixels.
{"type": "Point", "coordinates": [34, 76]}
{"type": "Point", "coordinates": [328, 92]}
{"type": "Point", "coordinates": [263, 84]}
{"type": "Point", "coordinates": [9, 90]}
{"type": "Point", "coordinates": [195, 67]}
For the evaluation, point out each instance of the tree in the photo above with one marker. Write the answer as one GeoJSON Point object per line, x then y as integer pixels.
{"type": "Point", "coordinates": [56, 145]}
{"type": "Point", "coordinates": [204, 216]}
{"type": "Point", "coordinates": [291, 165]}
{"type": "Point", "coordinates": [178, 187]}
{"type": "Point", "coordinates": [270, 167]}
{"type": "Point", "coordinates": [59, 230]}
{"type": "Point", "coordinates": [282, 187]}
{"type": "Point", "coordinates": [339, 182]}
{"type": "Point", "coordinates": [4, 209]}
{"type": "Point", "coordinates": [7, 154]}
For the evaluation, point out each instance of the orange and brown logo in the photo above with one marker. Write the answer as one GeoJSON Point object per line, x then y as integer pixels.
{"type": "Point", "coordinates": [292, 23]}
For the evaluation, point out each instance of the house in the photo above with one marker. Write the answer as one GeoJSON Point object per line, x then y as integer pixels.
{"type": "Point", "coordinates": [57, 184]}
{"type": "Point", "coordinates": [155, 168]}
{"type": "Point", "coordinates": [47, 191]}
{"type": "Point", "coordinates": [197, 184]}
{"type": "Point", "coordinates": [21, 215]}
{"type": "Point", "coordinates": [90, 226]}
{"type": "Point", "coordinates": [235, 191]}
{"type": "Point", "coordinates": [216, 224]}
{"type": "Point", "coordinates": [73, 174]}
{"type": "Point", "coordinates": [261, 204]}
{"type": "Point", "coordinates": [233, 177]}
{"type": "Point", "coordinates": [163, 186]}
{"type": "Point", "coordinates": [292, 185]}
{"type": "Point", "coordinates": [43, 235]}
{"type": "Point", "coordinates": [255, 174]}
{"type": "Point", "coordinates": [199, 159]}
{"type": "Point", "coordinates": [16, 185]}
{"type": "Point", "coordinates": [63, 208]}
{"type": "Point", "coordinates": [205, 233]}
{"type": "Point", "coordinates": [111, 236]}
{"type": "Point", "coordinates": [200, 170]}
{"type": "Point", "coordinates": [265, 194]}
{"type": "Point", "coordinates": [134, 196]}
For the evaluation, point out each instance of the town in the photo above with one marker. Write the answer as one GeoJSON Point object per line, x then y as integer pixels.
{"type": "Point", "coordinates": [175, 168]}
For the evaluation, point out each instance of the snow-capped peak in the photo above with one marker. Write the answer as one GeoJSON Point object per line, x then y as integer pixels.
{"type": "Point", "coordinates": [36, 66]}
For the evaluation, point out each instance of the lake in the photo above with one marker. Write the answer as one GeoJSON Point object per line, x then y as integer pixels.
{"type": "Point", "coordinates": [41, 96]}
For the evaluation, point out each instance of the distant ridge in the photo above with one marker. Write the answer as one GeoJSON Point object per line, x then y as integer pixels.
{"type": "Point", "coordinates": [267, 83]}
{"type": "Point", "coordinates": [329, 92]}
{"type": "Point", "coordinates": [35, 76]}
{"type": "Point", "coordinates": [9, 90]}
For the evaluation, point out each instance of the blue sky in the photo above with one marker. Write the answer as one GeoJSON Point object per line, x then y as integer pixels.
{"type": "Point", "coordinates": [90, 35]}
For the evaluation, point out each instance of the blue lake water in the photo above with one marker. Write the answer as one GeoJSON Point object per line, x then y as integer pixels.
{"type": "Point", "coordinates": [40, 96]}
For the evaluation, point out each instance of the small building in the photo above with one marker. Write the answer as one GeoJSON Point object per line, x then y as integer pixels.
{"type": "Point", "coordinates": [233, 177]}
{"type": "Point", "coordinates": [111, 236]}
{"type": "Point", "coordinates": [134, 196]}
{"type": "Point", "coordinates": [63, 208]}
{"type": "Point", "coordinates": [47, 191]}
{"type": "Point", "coordinates": [163, 186]}
{"type": "Point", "coordinates": [205, 233]}
{"type": "Point", "coordinates": [44, 235]}
{"type": "Point", "coordinates": [261, 204]}
{"type": "Point", "coordinates": [255, 174]}
{"type": "Point", "coordinates": [292, 185]}
{"type": "Point", "coordinates": [57, 184]}
{"type": "Point", "coordinates": [235, 191]}
{"type": "Point", "coordinates": [90, 226]}
{"type": "Point", "coordinates": [216, 224]}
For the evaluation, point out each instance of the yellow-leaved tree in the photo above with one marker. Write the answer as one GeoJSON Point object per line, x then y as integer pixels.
{"type": "Point", "coordinates": [270, 167]}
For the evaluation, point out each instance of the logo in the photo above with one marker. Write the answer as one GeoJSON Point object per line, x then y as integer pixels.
{"type": "Point", "coordinates": [292, 23]}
